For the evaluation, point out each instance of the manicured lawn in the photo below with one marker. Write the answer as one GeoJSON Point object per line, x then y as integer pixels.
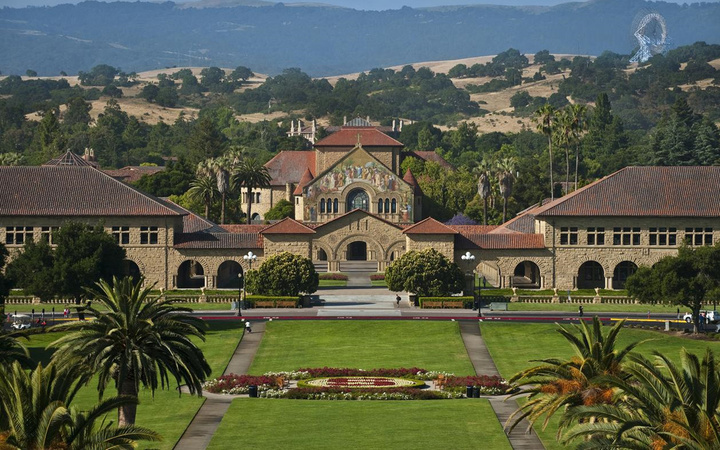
{"type": "Point", "coordinates": [166, 412]}
{"type": "Point", "coordinates": [549, 292]}
{"type": "Point", "coordinates": [316, 424]}
{"type": "Point", "coordinates": [512, 346]}
{"type": "Point", "coordinates": [331, 283]}
{"type": "Point", "coordinates": [378, 283]}
{"type": "Point", "coordinates": [593, 308]}
{"type": "Point", "coordinates": [362, 344]}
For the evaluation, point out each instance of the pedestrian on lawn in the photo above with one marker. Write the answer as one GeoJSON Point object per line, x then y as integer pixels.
{"type": "Point", "coordinates": [581, 311]}
{"type": "Point", "coordinates": [247, 327]}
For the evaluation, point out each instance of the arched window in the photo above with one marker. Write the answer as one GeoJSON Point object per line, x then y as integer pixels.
{"type": "Point", "coordinates": [387, 205]}
{"type": "Point", "coordinates": [380, 205]}
{"type": "Point", "coordinates": [335, 205]}
{"type": "Point", "coordinates": [393, 207]}
{"type": "Point", "coordinates": [358, 199]}
{"type": "Point", "coordinates": [322, 205]}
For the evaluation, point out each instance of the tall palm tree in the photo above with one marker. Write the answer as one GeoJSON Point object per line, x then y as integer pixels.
{"type": "Point", "coordinates": [559, 384]}
{"type": "Point", "coordinates": [204, 189]}
{"type": "Point", "coordinates": [37, 414]}
{"type": "Point", "coordinates": [660, 405]}
{"type": "Point", "coordinates": [545, 119]}
{"type": "Point", "coordinates": [484, 187]}
{"type": "Point", "coordinates": [579, 125]}
{"type": "Point", "coordinates": [563, 137]}
{"type": "Point", "coordinates": [251, 174]}
{"type": "Point", "coordinates": [506, 179]}
{"type": "Point", "coordinates": [134, 340]}
{"type": "Point", "coordinates": [221, 168]}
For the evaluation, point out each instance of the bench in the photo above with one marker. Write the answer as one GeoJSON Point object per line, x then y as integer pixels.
{"type": "Point", "coordinates": [432, 304]}
{"type": "Point", "coordinates": [285, 304]}
{"type": "Point", "coordinates": [453, 304]}
{"type": "Point", "coordinates": [265, 304]}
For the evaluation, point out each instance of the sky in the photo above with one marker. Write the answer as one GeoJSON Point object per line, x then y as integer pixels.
{"type": "Point", "coordinates": [357, 4]}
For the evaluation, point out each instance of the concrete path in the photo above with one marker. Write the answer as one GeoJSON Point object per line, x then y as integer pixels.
{"type": "Point", "coordinates": [198, 434]}
{"type": "Point", "coordinates": [484, 365]}
{"type": "Point", "coordinates": [359, 279]}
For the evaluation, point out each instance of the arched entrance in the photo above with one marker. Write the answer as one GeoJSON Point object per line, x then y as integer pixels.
{"type": "Point", "coordinates": [358, 199]}
{"type": "Point", "coordinates": [526, 275]}
{"type": "Point", "coordinates": [357, 251]}
{"type": "Point", "coordinates": [590, 276]}
{"type": "Point", "coordinates": [622, 272]}
{"type": "Point", "coordinates": [191, 275]}
{"type": "Point", "coordinates": [130, 269]}
{"type": "Point", "coordinates": [229, 275]}
{"type": "Point", "coordinates": [322, 255]}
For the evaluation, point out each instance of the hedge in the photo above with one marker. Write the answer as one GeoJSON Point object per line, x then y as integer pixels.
{"type": "Point", "coordinates": [466, 301]}
{"type": "Point", "coordinates": [251, 299]}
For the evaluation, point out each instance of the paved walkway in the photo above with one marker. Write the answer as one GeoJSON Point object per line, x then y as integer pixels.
{"type": "Point", "coordinates": [484, 365]}
{"type": "Point", "coordinates": [198, 434]}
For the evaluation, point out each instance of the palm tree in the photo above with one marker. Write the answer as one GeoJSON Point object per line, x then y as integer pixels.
{"type": "Point", "coordinates": [563, 137]}
{"type": "Point", "coordinates": [251, 174]}
{"type": "Point", "coordinates": [545, 119]}
{"type": "Point", "coordinates": [579, 125]}
{"type": "Point", "coordinates": [204, 189]}
{"type": "Point", "coordinates": [557, 383]}
{"type": "Point", "coordinates": [134, 340]}
{"type": "Point", "coordinates": [222, 168]}
{"type": "Point", "coordinates": [660, 405]}
{"type": "Point", "coordinates": [484, 188]}
{"type": "Point", "coordinates": [37, 413]}
{"type": "Point", "coordinates": [506, 178]}
{"type": "Point", "coordinates": [12, 350]}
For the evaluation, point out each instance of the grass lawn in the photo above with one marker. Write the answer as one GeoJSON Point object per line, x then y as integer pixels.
{"type": "Point", "coordinates": [319, 424]}
{"type": "Point", "coordinates": [378, 283]}
{"type": "Point", "coordinates": [331, 283]}
{"type": "Point", "coordinates": [593, 308]}
{"type": "Point", "coordinates": [512, 346]}
{"type": "Point", "coordinates": [549, 292]}
{"type": "Point", "coordinates": [362, 344]}
{"type": "Point", "coordinates": [166, 412]}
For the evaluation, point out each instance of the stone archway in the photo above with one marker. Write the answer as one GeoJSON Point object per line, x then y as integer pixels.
{"type": "Point", "coordinates": [622, 272]}
{"type": "Point", "coordinates": [526, 275]}
{"type": "Point", "coordinates": [132, 270]}
{"type": "Point", "coordinates": [229, 275]}
{"type": "Point", "coordinates": [190, 275]}
{"type": "Point", "coordinates": [591, 275]}
{"type": "Point", "coordinates": [357, 251]}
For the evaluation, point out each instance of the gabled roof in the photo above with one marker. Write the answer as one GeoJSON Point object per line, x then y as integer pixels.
{"type": "Point", "coordinates": [193, 223]}
{"type": "Point", "coordinates": [362, 212]}
{"type": "Point", "coordinates": [409, 178]}
{"type": "Point", "coordinates": [429, 226]}
{"type": "Point", "coordinates": [304, 180]}
{"type": "Point", "coordinates": [368, 137]}
{"type": "Point", "coordinates": [131, 174]}
{"type": "Point", "coordinates": [681, 191]}
{"type": "Point", "coordinates": [204, 240]}
{"type": "Point", "coordinates": [287, 226]}
{"type": "Point", "coordinates": [289, 166]}
{"type": "Point", "coordinates": [73, 191]}
{"type": "Point", "coordinates": [70, 159]}
{"type": "Point", "coordinates": [431, 156]}
{"type": "Point", "coordinates": [506, 241]}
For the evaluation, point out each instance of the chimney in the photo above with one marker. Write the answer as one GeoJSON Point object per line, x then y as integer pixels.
{"type": "Point", "coordinates": [292, 128]}
{"type": "Point", "coordinates": [393, 128]}
{"type": "Point", "coordinates": [314, 126]}
{"type": "Point", "coordinates": [368, 119]}
{"type": "Point", "coordinates": [401, 125]}
{"type": "Point", "coordinates": [344, 120]}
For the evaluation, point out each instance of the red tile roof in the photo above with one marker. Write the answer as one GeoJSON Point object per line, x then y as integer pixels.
{"type": "Point", "coordinates": [348, 137]}
{"type": "Point", "coordinates": [499, 241]}
{"type": "Point", "coordinates": [681, 191]}
{"type": "Point", "coordinates": [131, 174]}
{"type": "Point", "coordinates": [73, 191]}
{"type": "Point", "coordinates": [70, 159]}
{"type": "Point", "coordinates": [289, 166]}
{"type": "Point", "coordinates": [409, 178]}
{"type": "Point", "coordinates": [429, 226]}
{"type": "Point", "coordinates": [287, 226]}
{"type": "Point", "coordinates": [242, 228]}
{"type": "Point", "coordinates": [203, 240]}
{"type": "Point", "coordinates": [306, 178]}
{"type": "Point", "coordinates": [359, 211]}
{"type": "Point", "coordinates": [431, 156]}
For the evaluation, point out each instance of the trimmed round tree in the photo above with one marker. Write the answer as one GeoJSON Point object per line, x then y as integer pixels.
{"type": "Point", "coordinates": [427, 273]}
{"type": "Point", "coordinates": [284, 274]}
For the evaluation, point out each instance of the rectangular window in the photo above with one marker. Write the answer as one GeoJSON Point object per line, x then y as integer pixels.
{"type": "Point", "coordinates": [257, 197]}
{"type": "Point", "coordinates": [121, 234]}
{"type": "Point", "coordinates": [596, 236]}
{"type": "Point", "coordinates": [148, 235]}
{"type": "Point", "coordinates": [663, 236]}
{"type": "Point", "coordinates": [568, 235]}
{"type": "Point", "coordinates": [47, 232]}
{"type": "Point", "coordinates": [18, 235]}
{"type": "Point", "coordinates": [699, 236]}
{"type": "Point", "coordinates": [626, 236]}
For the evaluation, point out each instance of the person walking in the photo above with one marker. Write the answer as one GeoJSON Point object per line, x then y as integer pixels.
{"type": "Point", "coordinates": [581, 310]}
{"type": "Point", "coordinates": [397, 300]}
{"type": "Point", "coordinates": [247, 327]}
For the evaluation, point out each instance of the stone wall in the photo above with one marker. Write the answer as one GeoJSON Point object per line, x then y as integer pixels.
{"type": "Point", "coordinates": [298, 244]}
{"type": "Point", "coordinates": [443, 243]}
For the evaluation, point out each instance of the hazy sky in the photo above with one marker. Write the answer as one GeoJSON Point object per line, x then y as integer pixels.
{"type": "Point", "coordinates": [357, 4]}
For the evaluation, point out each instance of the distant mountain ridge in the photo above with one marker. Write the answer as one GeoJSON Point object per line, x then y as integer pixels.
{"type": "Point", "coordinates": [322, 41]}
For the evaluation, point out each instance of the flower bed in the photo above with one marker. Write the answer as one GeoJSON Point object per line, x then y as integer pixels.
{"type": "Point", "coordinates": [333, 276]}
{"type": "Point", "coordinates": [321, 372]}
{"type": "Point", "coordinates": [377, 277]}
{"type": "Point", "coordinates": [488, 385]}
{"type": "Point", "coordinates": [320, 393]}
{"type": "Point", "coordinates": [238, 384]}
{"type": "Point", "coordinates": [361, 382]}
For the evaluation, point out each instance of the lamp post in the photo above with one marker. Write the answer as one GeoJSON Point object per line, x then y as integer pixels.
{"type": "Point", "coordinates": [470, 258]}
{"type": "Point", "coordinates": [249, 258]}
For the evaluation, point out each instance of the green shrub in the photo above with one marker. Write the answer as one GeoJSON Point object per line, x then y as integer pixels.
{"type": "Point", "coordinates": [283, 274]}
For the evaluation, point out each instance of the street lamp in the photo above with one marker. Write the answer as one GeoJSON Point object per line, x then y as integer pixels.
{"type": "Point", "coordinates": [249, 259]}
{"type": "Point", "coordinates": [470, 258]}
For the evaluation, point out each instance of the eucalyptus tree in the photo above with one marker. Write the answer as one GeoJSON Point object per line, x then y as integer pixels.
{"type": "Point", "coordinates": [544, 117]}
{"type": "Point", "coordinates": [134, 340]}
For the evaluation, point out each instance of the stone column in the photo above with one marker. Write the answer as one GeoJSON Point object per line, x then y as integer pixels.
{"type": "Point", "coordinates": [608, 283]}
